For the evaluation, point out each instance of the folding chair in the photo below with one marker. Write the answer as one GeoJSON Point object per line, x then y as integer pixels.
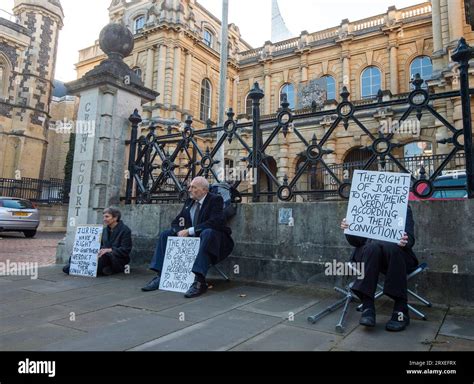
{"type": "Point", "coordinates": [349, 297]}
{"type": "Point", "coordinates": [221, 272]}
{"type": "Point", "coordinates": [421, 268]}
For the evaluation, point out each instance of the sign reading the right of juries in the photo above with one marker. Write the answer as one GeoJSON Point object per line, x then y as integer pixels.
{"type": "Point", "coordinates": [378, 205]}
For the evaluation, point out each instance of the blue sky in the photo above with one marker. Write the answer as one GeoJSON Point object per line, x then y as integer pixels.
{"type": "Point", "coordinates": [85, 18]}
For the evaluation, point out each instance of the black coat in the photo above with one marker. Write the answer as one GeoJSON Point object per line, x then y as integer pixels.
{"type": "Point", "coordinates": [211, 216]}
{"type": "Point", "coordinates": [359, 242]}
{"type": "Point", "coordinates": [120, 241]}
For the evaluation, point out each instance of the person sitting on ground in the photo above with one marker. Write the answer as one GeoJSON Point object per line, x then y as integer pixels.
{"type": "Point", "coordinates": [202, 216]}
{"type": "Point", "coordinates": [116, 245]}
{"type": "Point", "coordinates": [395, 261]}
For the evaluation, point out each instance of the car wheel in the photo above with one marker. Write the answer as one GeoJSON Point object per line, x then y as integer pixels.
{"type": "Point", "coordinates": [29, 234]}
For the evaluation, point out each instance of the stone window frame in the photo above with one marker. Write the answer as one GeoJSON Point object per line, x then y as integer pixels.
{"type": "Point", "coordinates": [205, 107]}
{"type": "Point", "coordinates": [208, 42]}
{"type": "Point", "coordinates": [326, 76]}
{"type": "Point", "coordinates": [134, 23]}
{"type": "Point", "coordinates": [5, 80]}
{"type": "Point", "coordinates": [412, 75]}
{"type": "Point", "coordinates": [372, 95]}
{"type": "Point", "coordinates": [138, 71]}
{"type": "Point", "coordinates": [248, 105]}
{"type": "Point", "coordinates": [280, 94]}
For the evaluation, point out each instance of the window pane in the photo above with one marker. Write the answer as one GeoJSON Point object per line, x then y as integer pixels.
{"type": "Point", "coordinates": [370, 82]}
{"type": "Point", "coordinates": [205, 100]}
{"type": "Point", "coordinates": [423, 66]}
{"type": "Point", "coordinates": [330, 87]}
{"type": "Point", "coordinates": [289, 89]}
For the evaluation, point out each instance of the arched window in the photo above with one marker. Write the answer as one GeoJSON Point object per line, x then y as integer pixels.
{"type": "Point", "coordinates": [423, 66]}
{"type": "Point", "coordinates": [248, 105]}
{"type": "Point", "coordinates": [371, 82]}
{"type": "Point", "coordinates": [138, 72]}
{"type": "Point", "coordinates": [330, 87]}
{"type": "Point", "coordinates": [289, 90]}
{"type": "Point", "coordinates": [138, 24]}
{"type": "Point", "coordinates": [208, 38]}
{"type": "Point", "coordinates": [418, 148]}
{"type": "Point", "coordinates": [206, 99]}
{"type": "Point", "coordinates": [3, 73]}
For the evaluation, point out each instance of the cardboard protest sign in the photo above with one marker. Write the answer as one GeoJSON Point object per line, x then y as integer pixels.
{"type": "Point", "coordinates": [378, 205]}
{"type": "Point", "coordinates": [85, 250]}
{"type": "Point", "coordinates": [181, 253]}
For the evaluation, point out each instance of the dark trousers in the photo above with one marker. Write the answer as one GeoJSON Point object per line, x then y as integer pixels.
{"type": "Point", "coordinates": [108, 260]}
{"type": "Point", "coordinates": [389, 259]}
{"type": "Point", "coordinates": [209, 239]}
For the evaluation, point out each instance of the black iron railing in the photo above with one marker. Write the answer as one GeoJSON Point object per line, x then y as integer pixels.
{"type": "Point", "coordinates": [53, 191]}
{"type": "Point", "coordinates": [161, 167]}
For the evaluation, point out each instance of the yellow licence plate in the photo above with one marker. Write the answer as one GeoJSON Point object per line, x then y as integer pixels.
{"type": "Point", "coordinates": [21, 214]}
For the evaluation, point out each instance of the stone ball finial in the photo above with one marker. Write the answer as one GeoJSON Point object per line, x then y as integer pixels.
{"type": "Point", "coordinates": [116, 39]}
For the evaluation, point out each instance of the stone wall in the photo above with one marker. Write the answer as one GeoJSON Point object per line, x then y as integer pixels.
{"type": "Point", "coordinates": [267, 251]}
{"type": "Point", "coordinates": [53, 218]}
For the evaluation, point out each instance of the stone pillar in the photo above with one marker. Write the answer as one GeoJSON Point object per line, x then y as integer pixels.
{"type": "Point", "coordinates": [150, 63]}
{"type": "Point", "coordinates": [176, 88]}
{"type": "Point", "coordinates": [235, 94]}
{"type": "Point", "coordinates": [268, 94]}
{"type": "Point", "coordinates": [394, 68]}
{"type": "Point", "coordinates": [162, 74]}
{"type": "Point", "coordinates": [188, 67]}
{"type": "Point", "coordinates": [456, 21]}
{"type": "Point", "coordinates": [436, 22]}
{"type": "Point", "coordinates": [106, 102]}
{"type": "Point", "coordinates": [346, 71]}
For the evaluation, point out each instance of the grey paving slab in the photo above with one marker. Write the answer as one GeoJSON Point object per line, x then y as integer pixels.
{"type": "Point", "coordinates": [449, 344]}
{"type": "Point", "coordinates": [31, 339]}
{"type": "Point", "coordinates": [458, 326]}
{"type": "Point", "coordinates": [16, 295]}
{"type": "Point", "coordinates": [217, 334]}
{"type": "Point", "coordinates": [210, 305]}
{"type": "Point", "coordinates": [101, 318]}
{"type": "Point", "coordinates": [33, 318]}
{"type": "Point", "coordinates": [286, 338]}
{"type": "Point", "coordinates": [122, 336]}
{"type": "Point", "coordinates": [282, 304]}
{"type": "Point", "coordinates": [156, 301]}
{"type": "Point", "coordinates": [416, 337]}
{"type": "Point", "coordinates": [44, 286]}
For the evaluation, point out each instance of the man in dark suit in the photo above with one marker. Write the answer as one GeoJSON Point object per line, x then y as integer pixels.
{"type": "Point", "coordinates": [393, 260]}
{"type": "Point", "coordinates": [116, 245]}
{"type": "Point", "coordinates": [202, 216]}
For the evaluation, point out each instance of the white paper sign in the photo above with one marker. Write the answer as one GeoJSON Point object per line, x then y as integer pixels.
{"type": "Point", "coordinates": [378, 205]}
{"type": "Point", "coordinates": [181, 253]}
{"type": "Point", "coordinates": [85, 250]}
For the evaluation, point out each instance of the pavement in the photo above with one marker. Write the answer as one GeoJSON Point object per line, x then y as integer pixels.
{"type": "Point", "coordinates": [61, 313]}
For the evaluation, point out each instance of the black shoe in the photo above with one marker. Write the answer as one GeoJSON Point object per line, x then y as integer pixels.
{"type": "Point", "coordinates": [66, 269]}
{"type": "Point", "coordinates": [368, 318]}
{"type": "Point", "coordinates": [153, 285]}
{"type": "Point", "coordinates": [398, 322]}
{"type": "Point", "coordinates": [197, 289]}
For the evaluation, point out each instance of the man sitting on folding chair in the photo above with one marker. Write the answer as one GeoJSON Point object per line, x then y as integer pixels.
{"type": "Point", "coordinates": [202, 216]}
{"type": "Point", "coordinates": [395, 261]}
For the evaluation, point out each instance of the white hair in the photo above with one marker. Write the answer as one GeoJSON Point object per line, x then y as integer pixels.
{"type": "Point", "coordinates": [202, 181]}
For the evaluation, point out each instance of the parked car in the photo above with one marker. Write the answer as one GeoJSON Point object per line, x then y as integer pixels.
{"type": "Point", "coordinates": [452, 185]}
{"type": "Point", "coordinates": [18, 215]}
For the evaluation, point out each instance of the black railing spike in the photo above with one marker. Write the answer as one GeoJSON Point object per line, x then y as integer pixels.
{"type": "Point", "coordinates": [422, 172]}
{"type": "Point", "coordinates": [345, 94]}
{"type": "Point", "coordinates": [230, 114]}
{"type": "Point", "coordinates": [189, 120]}
{"type": "Point", "coordinates": [417, 81]}
{"type": "Point", "coordinates": [284, 101]}
{"type": "Point", "coordinates": [314, 140]}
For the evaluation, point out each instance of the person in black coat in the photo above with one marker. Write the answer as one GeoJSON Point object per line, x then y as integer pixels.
{"type": "Point", "coordinates": [116, 245]}
{"type": "Point", "coordinates": [202, 216]}
{"type": "Point", "coordinates": [396, 261]}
